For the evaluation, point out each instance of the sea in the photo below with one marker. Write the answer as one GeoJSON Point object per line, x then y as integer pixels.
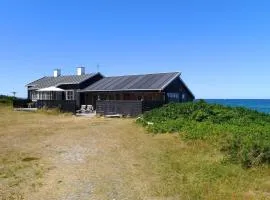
{"type": "Point", "coordinates": [261, 105]}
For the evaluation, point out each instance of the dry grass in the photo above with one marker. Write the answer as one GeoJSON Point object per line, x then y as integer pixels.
{"type": "Point", "coordinates": [59, 156]}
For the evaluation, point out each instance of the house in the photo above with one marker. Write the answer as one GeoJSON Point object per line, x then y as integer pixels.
{"type": "Point", "coordinates": [134, 94]}
{"type": "Point", "coordinates": [58, 88]}
{"type": "Point", "coordinates": [128, 95]}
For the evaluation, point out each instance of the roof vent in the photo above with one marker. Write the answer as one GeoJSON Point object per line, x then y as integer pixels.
{"type": "Point", "coordinates": [80, 71]}
{"type": "Point", "coordinates": [57, 72]}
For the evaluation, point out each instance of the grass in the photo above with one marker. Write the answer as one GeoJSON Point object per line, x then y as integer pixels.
{"type": "Point", "coordinates": [62, 157]}
{"type": "Point", "coordinates": [197, 171]}
{"type": "Point", "coordinates": [17, 166]}
{"type": "Point", "coordinates": [244, 135]}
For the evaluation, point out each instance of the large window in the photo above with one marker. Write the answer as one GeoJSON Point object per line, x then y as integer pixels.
{"type": "Point", "coordinates": [45, 95]}
{"type": "Point", "coordinates": [69, 95]}
{"type": "Point", "coordinates": [34, 96]}
{"type": "Point", "coordinates": [173, 97]}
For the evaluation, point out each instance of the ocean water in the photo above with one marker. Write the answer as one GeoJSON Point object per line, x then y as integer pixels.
{"type": "Point", "coordinates": [261, 105]}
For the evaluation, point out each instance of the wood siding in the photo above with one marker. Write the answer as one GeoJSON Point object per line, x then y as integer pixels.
{"type": "Point", "coordinates": [113, 107]}
{"type": "Point", "coordinates": [125, 107]}
{"type": "Point", "coordinates": [177, 86]}
{"type": "Point", "coordinates": [63, 105]}
{"type": "Point", "coordinates": [90, 98]}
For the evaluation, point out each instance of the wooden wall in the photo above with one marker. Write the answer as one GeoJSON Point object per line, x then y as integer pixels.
{"type": "Point", "coordinates": [178, 86]}
{"type": "Point", "coordinates": [63, 105]}
{"type": "Point", "coordinates": [125, 107]}
{"type": "Point", "coordinates": [113, 107]}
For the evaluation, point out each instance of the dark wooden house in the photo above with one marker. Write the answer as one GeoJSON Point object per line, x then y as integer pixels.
{"type": "Point", "coordinates": [61, 91]}
{"type": "Point", "coordinates": [127, 95]}
{"type": "Point", "coordinates": [134, 94]}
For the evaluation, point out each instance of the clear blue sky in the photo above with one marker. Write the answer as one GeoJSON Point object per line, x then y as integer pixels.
{"type": "Point", "coordinates": [222, 47]}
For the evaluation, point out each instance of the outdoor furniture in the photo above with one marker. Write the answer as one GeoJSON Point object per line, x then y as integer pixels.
{"type": "Point", "coordinates": [89, 108]}
{"type": "Point", "coordinates": [82, 110]}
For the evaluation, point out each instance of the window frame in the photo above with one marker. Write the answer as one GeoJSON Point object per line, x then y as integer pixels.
{"type": "Point", "coordinates": [34, 95]}
{"type": "Point", "coordinates": [68, 95]}
{"type": "Point", "coordinates": [173, 96]}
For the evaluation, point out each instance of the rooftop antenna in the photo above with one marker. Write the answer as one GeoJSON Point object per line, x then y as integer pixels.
{"type": "Point", "coordinates": [14, 93]}
{"type": "Point", "coordinates": [97, 67]}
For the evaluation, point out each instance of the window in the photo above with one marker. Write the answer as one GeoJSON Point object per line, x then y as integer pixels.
{"type": "Point", "coordinates": [117, 97]}
{"type": "Point", "coordinates": [44, 96]}
{"type": "Point", "coordinates": [173, 97]}
{"type": "Point", "coordinates": [183, 96]}
{"type": "Point", "coordinates": [69, 95]}
{"type": "Point", "coordinates": [34, 96]}
{"type": "Point", "coordinates": [126, 97]}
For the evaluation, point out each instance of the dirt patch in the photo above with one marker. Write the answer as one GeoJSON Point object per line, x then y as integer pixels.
{"type": "Point", "coordinates": [28, 159]}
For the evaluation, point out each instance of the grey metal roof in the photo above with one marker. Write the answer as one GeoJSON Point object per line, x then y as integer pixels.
{"type": "Point", "coordinates": [49, 81]}
{"type": "Point", "coordinates": [133, 82]}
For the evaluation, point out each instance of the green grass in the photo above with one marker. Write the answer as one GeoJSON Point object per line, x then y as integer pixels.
{"type": "Point", "coordinates": [196, 170]}
{"type": "Point", "coordinates": [243, 134]}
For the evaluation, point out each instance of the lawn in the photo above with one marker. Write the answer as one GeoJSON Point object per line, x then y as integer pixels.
{"type": "Point", "coordinates": [56, 156]}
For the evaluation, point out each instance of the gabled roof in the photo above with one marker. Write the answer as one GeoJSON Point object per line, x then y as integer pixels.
{"type": "Point", "coordinates": [134, 82]}
{"type": "Point", "coordinates": [49, 81]}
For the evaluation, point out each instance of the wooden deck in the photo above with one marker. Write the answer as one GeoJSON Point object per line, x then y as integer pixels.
{"type": "Point", "coordinates": [90, 115]}
{"type": "Point", "coordinates": [26, 109]}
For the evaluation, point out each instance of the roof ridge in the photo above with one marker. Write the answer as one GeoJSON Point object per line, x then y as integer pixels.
{"type": "Point", "coordinates": [61, 80]}
{"type": "Point", "coordinates": [71, 75]}
{"type": "Point", "coordinates": [143, 74]}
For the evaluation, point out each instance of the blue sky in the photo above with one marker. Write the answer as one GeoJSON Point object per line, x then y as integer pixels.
{"type": "Point", "coordinates": [221, 47]}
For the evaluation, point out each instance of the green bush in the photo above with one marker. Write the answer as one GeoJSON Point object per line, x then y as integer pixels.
{"type": "Point", "coordinates": [243, 134]}
{"type": "Point", "coordinates": [6, 100]}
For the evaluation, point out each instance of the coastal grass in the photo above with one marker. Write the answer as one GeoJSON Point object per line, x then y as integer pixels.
{"type": "Point", "coordinates": [39, 155]}
{"type": "Point", "coordinates": [19, 168]}
{"type": "Point", "coordinates": [196, 170]}
{"type": "Point", "coordinates": [243, 134]}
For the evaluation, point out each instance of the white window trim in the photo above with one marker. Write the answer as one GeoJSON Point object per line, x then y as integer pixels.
{"type": "Point", "coordinates": [66, 92]}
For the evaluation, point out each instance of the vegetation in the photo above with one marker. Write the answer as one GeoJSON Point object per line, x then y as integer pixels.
{"type": "Point", "coordinates": [242, 133]}
{"type": "Point", "coordinates": [67, 157]}
{"type": "Point", "coordinates": [6, 100]}
{"type": "Point", "coordinates": [13, 101]}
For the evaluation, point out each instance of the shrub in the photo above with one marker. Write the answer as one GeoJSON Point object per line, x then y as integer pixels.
{"type": "Point", "coordinates": [6, 100]}
{"type": "Point", "coordinates": [243, 134]}
{"type": "Point", "coordinates": [13, 101]}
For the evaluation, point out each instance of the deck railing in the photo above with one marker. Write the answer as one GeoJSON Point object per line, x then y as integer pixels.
{"type": "Point", "coordinates": [21, 103]}
{"type": "Point", "coordinates": [125, 107]}
{"type": "Point", "coordinates": [63, 105]}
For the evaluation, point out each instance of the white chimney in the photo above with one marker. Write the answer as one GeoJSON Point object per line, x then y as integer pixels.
{"type": "Point", "coordinates": [57, 72]}
{"type": "Point", "coordinates": [80, 71]}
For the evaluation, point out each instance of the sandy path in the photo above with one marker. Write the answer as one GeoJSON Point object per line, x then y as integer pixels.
{"type": "Point", "coordinates": [89, 161]}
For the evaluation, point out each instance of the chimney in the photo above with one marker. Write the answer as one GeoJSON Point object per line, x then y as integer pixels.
{"type": "Point", "coordinates": [80, 71]}
{"type": "Point", "coordinates": [57, 72]}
